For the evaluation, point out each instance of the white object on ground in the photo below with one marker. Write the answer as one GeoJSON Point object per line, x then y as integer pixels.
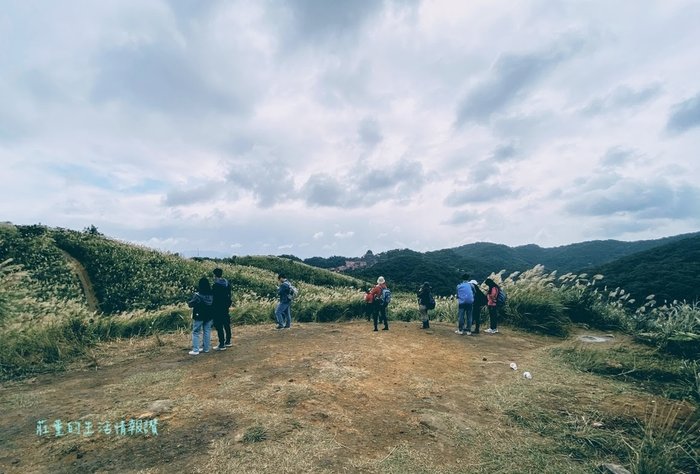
{"type": "Point", "coordinates": [514, 366]}
{"type": "Point", "coordinates": [527, 375]}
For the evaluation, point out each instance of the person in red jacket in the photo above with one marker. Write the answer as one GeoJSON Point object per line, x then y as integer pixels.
{"type": "Point", "coordinates": [379, 308]}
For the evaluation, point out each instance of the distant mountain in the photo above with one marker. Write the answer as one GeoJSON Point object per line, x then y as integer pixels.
{"type": "Point", "coordinates": [407, 269]}
{"type": "Point", "coordinates": [670, 272]}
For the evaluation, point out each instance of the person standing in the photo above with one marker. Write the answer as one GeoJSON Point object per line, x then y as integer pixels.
{"type": "Point", "coordinates": [465, 299]}
{"type": "Point", "coordinates": [480, 301]}
{"type": "Point", "coordinates": [283, 312]}
{"type": "Point", "coordinates": [369, 306]}
{"type": "Point", "coordinates": [221, 291]}
{"type": "Point", "coordinates": [201, 304]}
{"type": "Point", "coordinates": [492, 296]}
{"type": "Point", "coordinates": [379, 305]}
{"type": "Point", "coordinates": [425, 302]}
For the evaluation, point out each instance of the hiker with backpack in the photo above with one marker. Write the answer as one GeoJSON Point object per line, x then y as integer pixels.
{"type": "Point", "coordinates": [496, 298]}
{"type": "Point", "coordinates": [381, 296]}
{"type": "Point", "coordinates": [426, 302]}
{"type": "Point", "coordinates": [201, 304]}
{"type": "Point", "coordinates": [480, 300]}
{"type": "Point", "coordinates": [465, 299]}
{"type": "Point", "coordinates": [221, 291]}
{"type": "Point", "coordinates": [287, 293]}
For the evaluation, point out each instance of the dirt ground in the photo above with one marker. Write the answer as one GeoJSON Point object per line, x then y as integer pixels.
{"type": "Point", "coordinates": [315, 398]}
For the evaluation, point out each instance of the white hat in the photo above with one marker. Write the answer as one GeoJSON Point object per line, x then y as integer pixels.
{"type": "Point", "coordinates": [474, 282]}
{"type": "Point", "coordinates": [380, 280]}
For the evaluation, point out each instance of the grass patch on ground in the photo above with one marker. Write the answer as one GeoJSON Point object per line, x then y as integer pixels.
{"type": "Point", "coordinates": [646, 368]}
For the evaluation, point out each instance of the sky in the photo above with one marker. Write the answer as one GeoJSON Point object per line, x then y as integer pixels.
{"type": "Point", "coordinates": [319, 128]}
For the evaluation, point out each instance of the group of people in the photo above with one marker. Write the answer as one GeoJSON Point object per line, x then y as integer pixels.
{"type": "Point", "coordinates": [211, 304]}
{"type": "Point", "coordinates": [471, 299]}
{"type": "Point", "coordinates": [378, 299]}
{"type": "Point", "coordinates": [210, 307]}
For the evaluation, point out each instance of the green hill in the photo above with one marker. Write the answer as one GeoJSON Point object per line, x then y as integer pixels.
{"type": "Point", "coordinates": [407, 269]}
{"type": "Point", "coordinates": [670, 272]}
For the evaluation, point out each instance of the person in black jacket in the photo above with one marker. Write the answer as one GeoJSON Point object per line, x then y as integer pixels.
{"type": "Point", "coordinates": [221, 291]}
{"type": "Point", "coordinates": [480, 301]}
{"type": "Point", "coordinates": [202, 315]}
{"type": "Point", "coordinates": [425, 302]}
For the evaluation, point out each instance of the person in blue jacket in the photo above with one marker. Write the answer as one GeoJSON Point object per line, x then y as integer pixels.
{"type": "Point", "coordinates": [465, 299]}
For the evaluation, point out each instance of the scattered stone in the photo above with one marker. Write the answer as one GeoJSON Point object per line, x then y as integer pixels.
{"type": "Point", "coordinates": [160, 406]}
{"type": "Point", "coordinates": [484, 359]}
{"type": "Point", "coordinates": [432, 423]}
{"type": "Point", "coordinates": [597, 424]}
{"type": "Point", "coordinates": [614, 469]}
{"type": "Point", "coordinates": [594, 339]}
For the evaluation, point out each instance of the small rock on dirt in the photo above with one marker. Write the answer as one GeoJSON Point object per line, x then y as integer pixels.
{"type": "Point", "coordinates": [432, 423]}
{"type": "Point", "coordinates": [594, 339]}
{"type": "Point", "coordinates": [161, 406]}
{"type": "Point", "coordinates": [614, 469]}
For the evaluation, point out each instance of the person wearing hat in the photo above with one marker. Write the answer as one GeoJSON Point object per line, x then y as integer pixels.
{"type": "Point", "coordinates": [425, 300]}
{"type": "Point", "coordinates": [379, 308]}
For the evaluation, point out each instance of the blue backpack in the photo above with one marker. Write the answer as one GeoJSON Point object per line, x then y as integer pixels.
{"type": "Point", "coordinates": [501, 298]}
{"type": "Point", "coordinates": [385, 296]}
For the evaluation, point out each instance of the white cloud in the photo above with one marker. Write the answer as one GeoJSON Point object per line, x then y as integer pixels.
{"type": "Point", "coordinates": [192, 125]}
{"type": "Point", "coordinates": [344, 235]}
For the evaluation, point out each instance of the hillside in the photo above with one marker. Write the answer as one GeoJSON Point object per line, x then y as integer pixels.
{"type": "Point", "coordinates": [670, 272]}
{"type": "Point", "coordinates": [96, 377]}
{"type": "Point", "coordinates": [126, 277]}
{"type": "Point", "coordinates": [62, 292]}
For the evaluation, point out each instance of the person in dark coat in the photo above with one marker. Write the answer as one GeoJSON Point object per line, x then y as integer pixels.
{"type": "Point", "coordinates": [480, 301]}
{"type": "Point", "coordinates": [425, 301]}
{"type": "Point", "coordinates": [221, 290]}
{"type": "Point", "coordinates": [283, 311]}
{"type": "Point", "coordinates": [492, 296]}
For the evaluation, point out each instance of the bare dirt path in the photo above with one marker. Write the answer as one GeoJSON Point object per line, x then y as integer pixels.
{"type": "Point", "coordinates": [316, 398]}
{"type": "Point", "coordinates": [90, 297]}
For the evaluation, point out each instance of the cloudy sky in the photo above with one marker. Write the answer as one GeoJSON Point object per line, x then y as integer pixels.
{"type": "Point", "coordinates": [318, 127]}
